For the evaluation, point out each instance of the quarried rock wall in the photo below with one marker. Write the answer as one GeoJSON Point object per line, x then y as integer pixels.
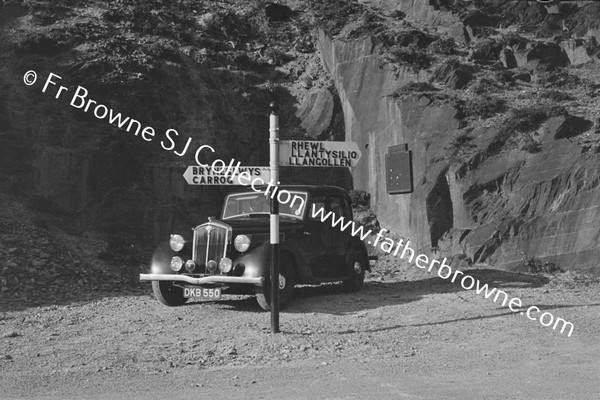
{"type": "Point", "coordinates": [498, 204]}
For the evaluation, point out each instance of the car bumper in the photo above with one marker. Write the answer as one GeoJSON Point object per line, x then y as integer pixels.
{"type": "Point", "coordinates": [210, 279]}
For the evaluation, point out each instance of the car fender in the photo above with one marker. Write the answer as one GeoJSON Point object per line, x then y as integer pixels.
{"type": "Point", "coordinates": [358, 247]}
{"type": "Point", "coordinates": [256, 262]}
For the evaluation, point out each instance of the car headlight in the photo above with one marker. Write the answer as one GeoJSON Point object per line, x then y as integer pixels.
{"type": "Point", "coordinates": [190, 265]}
{"type": "Point", "coordinates": [242, 243]}
{"type": "Point", "coordinates": [176, 242]}
{"type": "Point", "coordinates": [211, 266]}
{"type": "Point", "coordinates": [225, 265]}
{"type": "Point", "coordinates": [176, 263]}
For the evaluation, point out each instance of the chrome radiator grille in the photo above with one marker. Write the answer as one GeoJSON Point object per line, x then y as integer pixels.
{"type": "Point", "coordinates": [210, 243]}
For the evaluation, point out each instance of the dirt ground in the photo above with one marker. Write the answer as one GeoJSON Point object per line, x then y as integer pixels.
{"type": "Point", "coordinates": [405, 335]}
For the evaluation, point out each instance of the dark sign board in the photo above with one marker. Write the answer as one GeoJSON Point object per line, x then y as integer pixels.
{"type": "Point", "coordinates": [398, 170]}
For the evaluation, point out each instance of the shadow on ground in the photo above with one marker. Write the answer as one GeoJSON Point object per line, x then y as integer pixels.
{"type": "Point", "coordinates": [328, 298]}
{"type": "Point", "coordinates": [67, 296]}
{"type": "Point", "coordinates": [480, 317]}
{"type": "Point", "coordinates": [332, 299]}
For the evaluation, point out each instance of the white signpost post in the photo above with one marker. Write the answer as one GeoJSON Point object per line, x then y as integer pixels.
{"type": "Point", "coordinates": [274, 150]}
{"type": "Point", "coordinates": [196, 175]}
{"type": "Point", "coordinates": [307, 153]}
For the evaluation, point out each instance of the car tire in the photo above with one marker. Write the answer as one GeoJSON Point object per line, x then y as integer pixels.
{"type": "Point", "coordinates": [286, 288]}
{"type": "Point", "coordinates": [358, 267]}
{"type": "Point", "coordinates": [168, 294]}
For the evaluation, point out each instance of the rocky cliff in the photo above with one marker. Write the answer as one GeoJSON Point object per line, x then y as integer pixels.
{"type": "Point", "coordinates": [504, 129]}
{"type": "Point", "coordinates": [207, 70]}
{"type": "Point", "coordinates": [497, 101]}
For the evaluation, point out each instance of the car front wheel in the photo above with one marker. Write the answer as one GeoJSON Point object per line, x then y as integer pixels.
{"type": "Point", "coordinates": [286, 286]}
{"type": "Point", "coordinates": [168, 294]}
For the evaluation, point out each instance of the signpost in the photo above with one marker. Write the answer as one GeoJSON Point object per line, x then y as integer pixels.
{"type": "Point", "coordinates": [196, 175]}
{"type": "Point", "coordinates": [274, 217]}
{"type": "Point", "coordinates": [307, 153]}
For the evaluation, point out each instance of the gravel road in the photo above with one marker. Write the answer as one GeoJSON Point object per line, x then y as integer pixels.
{"type": "Point", "coordinates": [404, 335]}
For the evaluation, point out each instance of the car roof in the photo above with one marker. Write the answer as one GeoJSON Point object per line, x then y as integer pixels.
{"type": "Point", "coordinates": [313, 189]}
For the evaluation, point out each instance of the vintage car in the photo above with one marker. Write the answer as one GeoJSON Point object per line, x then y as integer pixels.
{"type": "Point", "coordinates": [232, 254]}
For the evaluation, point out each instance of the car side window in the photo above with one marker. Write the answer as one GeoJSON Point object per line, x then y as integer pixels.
{"type": "Point", "coordinates": [340, 207]}
{"type": "Point", "coordinates": [347, 207]}
{"type": "Point", "coordinates": [318, 202]}
{"type": "Point", "coordinates": [336, 206]}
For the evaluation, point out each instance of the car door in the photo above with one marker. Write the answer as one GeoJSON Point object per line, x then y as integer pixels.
{"type": "Point", "coordinates": [319, 241]}
{"type": "Point", "coordinates": [340, 240]}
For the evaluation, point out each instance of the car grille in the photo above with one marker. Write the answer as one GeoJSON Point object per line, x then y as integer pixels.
{"type": "Point", "coordinates": [210, 243]}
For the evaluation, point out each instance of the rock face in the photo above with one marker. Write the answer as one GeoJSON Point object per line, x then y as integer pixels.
{"type": "Point", "coordinates": [516, 204]}
{"type": "Point", "coordinates": [316, 112]}
{"type": "Point", "coordinates": [376, 120]}
{"type": "Point", "coordinates": [492, 184]}
{"type": "Point", "coordinates": [498, 203]}
{"type": "Point", "coordinates": [114, 180]}
{"type": "Point", "coordinates": [215, 91]}
{"type": "Point", "coordinates": [541, 54]}
{"type": "Point", "coordinates": [576, 51]}
{"type": "Point", "coordinates": [427, 13]}
{"type": "Point", "coordinates": [452, 74]}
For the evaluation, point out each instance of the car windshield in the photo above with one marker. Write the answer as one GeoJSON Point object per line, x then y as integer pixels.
{"type": "Point", "coordinates": [251, 204]}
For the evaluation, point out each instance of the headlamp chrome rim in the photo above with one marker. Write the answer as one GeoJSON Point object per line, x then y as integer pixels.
{"type": "Point", "coordinates": [176, 263]}
{"type": "Point", "coordinates": [176, 242]}
{"type": "Point", "coordinates": [190, 265]}
{"type": "Point", "coordinates": [242, 243]}
{"type": "Point", "coordinates": [225, 265]}
{"type": "Point", "coordinates": [212, 266]}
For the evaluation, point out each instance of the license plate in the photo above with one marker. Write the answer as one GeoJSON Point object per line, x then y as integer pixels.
{"type": "Point", "coordinates": [202, 293]}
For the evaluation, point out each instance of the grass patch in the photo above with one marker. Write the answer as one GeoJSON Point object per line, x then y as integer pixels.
{"type": "Point", "coordinates": [537, 266]}
{"type": "Point", "coordinates": [527, 119]}
{"type": "Point", "coordinates": [460, 147]}
{"type": "Point", "coordinates": [482, 107]}
{"type": "Point", "coordinates": [556, 95]}
{"type": "Point", "coordinates": [484, 85]}
{"type": "Point", "coordinates": [443, 46]}
{"type": "Point", "coordinates": [488, 49]}
{"type": "Point", "coordinates": [461, 140]}
{"type": "Point", "coordinates": [332, 16]}
{"type": "Point", "coordinates": [414, 87]}
{"type": "Point", "coordinates": [411, 56]}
